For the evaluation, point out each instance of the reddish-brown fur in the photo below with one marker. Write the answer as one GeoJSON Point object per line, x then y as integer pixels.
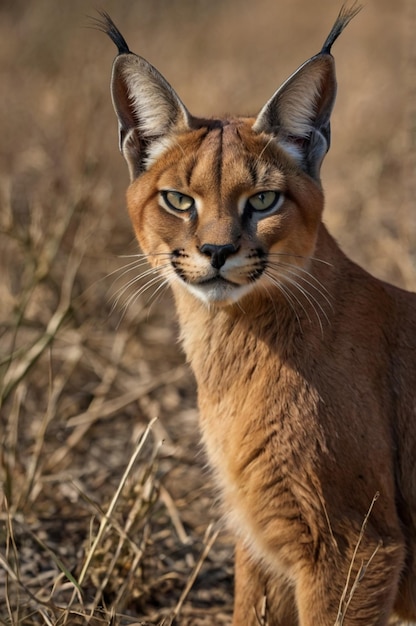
{"type": "Point", "coordinates": [305, 364]}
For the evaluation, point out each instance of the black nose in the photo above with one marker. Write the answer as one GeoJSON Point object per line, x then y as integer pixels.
{"type": "Point", "coordinates": [218, 254]}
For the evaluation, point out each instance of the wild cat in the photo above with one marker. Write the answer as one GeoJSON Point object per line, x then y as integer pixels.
{"type": "Point", "coordinates": [305, 364]}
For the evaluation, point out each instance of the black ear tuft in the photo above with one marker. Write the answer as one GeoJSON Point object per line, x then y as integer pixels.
{"type": "Point", "coordinates": [298, 114]}
{"type": "Point", "coordinates": [344, 18]}
{"type": "Point", "coordinates": [107, 26]}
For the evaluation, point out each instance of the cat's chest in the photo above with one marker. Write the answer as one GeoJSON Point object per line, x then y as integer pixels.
{"type": "Point", "coordinates": [257, 422]}
{"type": "Point", "coordinates": [260, 428]}
{"type": "Point", "coordinates": [262, 456]}
{"type": "Point", "coordinates": [250, 397]}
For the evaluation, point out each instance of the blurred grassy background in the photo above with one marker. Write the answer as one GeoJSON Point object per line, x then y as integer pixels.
{"type": "Point", "coordinates": [78, 381]}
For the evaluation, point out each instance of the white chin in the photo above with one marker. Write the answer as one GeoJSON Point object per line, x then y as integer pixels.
{"type": "Point", "coordinates": [220, 292]}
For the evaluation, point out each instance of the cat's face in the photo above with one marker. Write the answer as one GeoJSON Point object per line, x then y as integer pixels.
{"type": "Point", "coordinates": [225, 207]}
{"type": "Point", "coordinates": [224, 210]}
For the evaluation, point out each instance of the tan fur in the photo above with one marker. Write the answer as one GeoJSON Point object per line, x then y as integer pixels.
{"type": "Point", "coordinates": [305, 364]}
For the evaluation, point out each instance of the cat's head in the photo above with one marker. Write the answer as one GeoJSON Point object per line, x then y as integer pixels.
{"type": "Point", "coordinates": [225, 206]}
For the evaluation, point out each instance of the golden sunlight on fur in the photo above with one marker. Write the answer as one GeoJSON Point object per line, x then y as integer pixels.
{"type": "Point", "coordinates": [305, 364]}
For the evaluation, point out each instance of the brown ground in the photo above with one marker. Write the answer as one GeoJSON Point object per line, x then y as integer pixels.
{"type": "Point", "coordinates": [81, 381]}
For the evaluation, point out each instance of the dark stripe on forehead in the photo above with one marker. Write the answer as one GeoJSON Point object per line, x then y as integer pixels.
{"type": "Point", "coordinates": [192, 162]}
{"type": "Point", "coordinates": [210, 147]}
{"type": "Point", "coordinates": [241, 164]}
{"type": "Point", "coordinates": [250, 160]}
{"type": "Point", "coordinates": [218, 172]}
{"type": "Point", "coordinates": [252, 170]}
{"type": "Point", "coordinates": [190, 169]}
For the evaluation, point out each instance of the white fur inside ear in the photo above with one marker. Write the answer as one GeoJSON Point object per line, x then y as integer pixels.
{"type": "Point", "coordinates": [298, 114]}
{"type": "Point", "coordinates": [292, 150]}
{"type": "Point", "coordinates": [298, 106]}
{"type": "Point", "coordinates": [294, 105]}
{"type": "Point", "coordinates": [148, 109]}
{"type": "Point", "coordinates": [148, 101]}
{"type": "Point", "coordinates": [156, 149]}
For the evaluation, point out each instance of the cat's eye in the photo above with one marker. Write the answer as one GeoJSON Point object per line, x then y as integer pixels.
{"type": "Point", "coordinates": [178, 201]}
{"type": "Point", "coordinates": [265, 200]}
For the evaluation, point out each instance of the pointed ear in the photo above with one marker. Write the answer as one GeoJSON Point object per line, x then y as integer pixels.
{"type": "Point", "coordinates": [298, 114]}
{"type": "Point", "coordinates": [147, 108]}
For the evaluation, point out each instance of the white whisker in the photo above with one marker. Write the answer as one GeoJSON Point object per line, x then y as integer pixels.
{"type": "Point", "coordinates": [294, 270]}
{"type": "Point", "coordinates": [129, 267]}
{"type": "Point", "coordinates": [157, 293]}
{"type": "Point", "coordinates": [300, 256]}
{"type": "Point", "coordinates": [309, 297]}
{"type": "Point", "coordinates": [265, 148]}
{"type": "Point", "coordinates": [312, 301]}
{"type": "Point", "coordinates": [137, 294]}
{"type": "Point", "coordinates": [141, 255]}
{"type": "Point", "coordinates": [139, 277]}
{"type": "Point", "coordinates": [238, 304]}
{"type": "Point", "coordinates": [149, 272]}
{"type": "Point", "coordinates": [150, 275]}
{"type": "Point", "coordinates": [289, 295]}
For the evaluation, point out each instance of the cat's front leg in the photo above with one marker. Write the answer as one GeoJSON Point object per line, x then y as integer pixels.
{"type": "Point", "coordinates": [353, 589]}
{"type": "Point", "coordinates": [260, 598]}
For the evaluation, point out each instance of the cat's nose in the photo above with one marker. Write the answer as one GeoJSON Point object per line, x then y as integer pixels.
{"type": "Point", "coordinates": [218, 254]}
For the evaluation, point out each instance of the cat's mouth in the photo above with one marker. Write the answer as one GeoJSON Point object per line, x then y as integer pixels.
{"type": "Point", "coordinates": [218, 290]}
{"type": "Point", "coordinates": [217, 280]}
{"type": "Point", "coordinates": [216, 286]}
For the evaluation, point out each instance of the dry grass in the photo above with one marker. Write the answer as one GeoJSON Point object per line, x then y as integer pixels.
{"type": "Point", "coordinates": [101, 520]}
